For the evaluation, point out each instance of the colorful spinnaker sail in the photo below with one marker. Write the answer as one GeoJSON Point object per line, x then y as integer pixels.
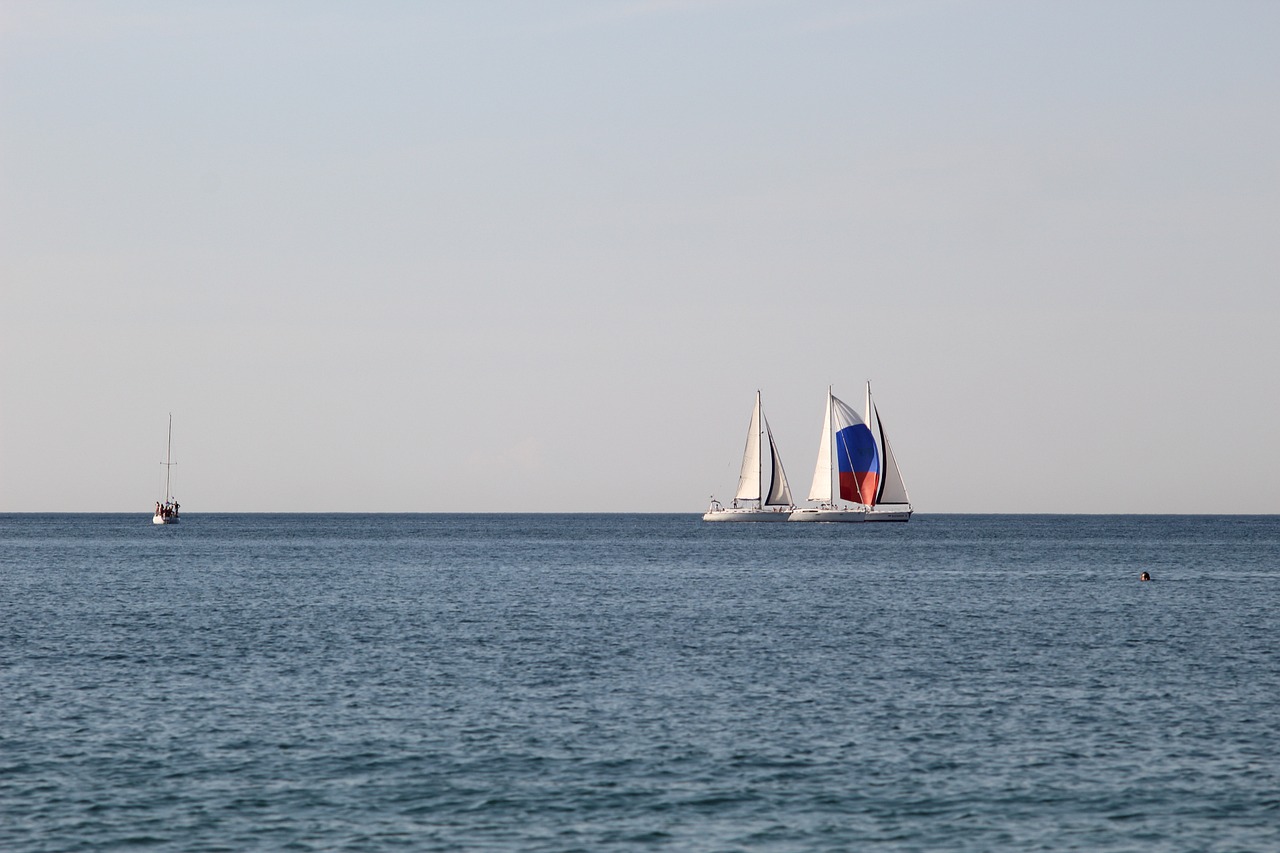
{"type": "Point", "coordinates": [857, 460]}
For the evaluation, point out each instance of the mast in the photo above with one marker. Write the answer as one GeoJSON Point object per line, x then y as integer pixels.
{"type": "Point", "coordinates": [759, 452]}
{"type": "Point", "coordinates": [833, 465]}
{"type": "Point", "coordinates": [875, 498]}
{"type": "Point", "coordinates": [867, 418]}
{"type": "Point", "coordinates": [168, 457]}
{"type": "Point", "coordinates": [835, 453]}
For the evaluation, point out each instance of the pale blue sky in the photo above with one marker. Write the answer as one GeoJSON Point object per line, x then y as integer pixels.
{"type": "Point", "coordinates": [539, 256]}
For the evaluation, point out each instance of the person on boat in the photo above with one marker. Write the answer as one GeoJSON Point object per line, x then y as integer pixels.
{"type": "Point", "coordinates": [157, 507]}
{"type": "Point", "coordinates": [175, 507]}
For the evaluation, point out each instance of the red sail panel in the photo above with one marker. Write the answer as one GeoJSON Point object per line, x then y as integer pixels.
{"type": "Point", "coordinates": [859, 487]}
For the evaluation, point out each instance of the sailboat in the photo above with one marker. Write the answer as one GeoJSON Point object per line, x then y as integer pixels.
{"type": "Point", "coordinates": [855, 464]}
{"type": "Point", "coordinates": [167, 511]}
{"type": "Point", "coordinates": [758, 456]}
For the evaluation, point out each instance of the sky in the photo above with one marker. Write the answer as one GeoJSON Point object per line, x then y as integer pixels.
{"type": "Point", "coordinates": [510, 256]}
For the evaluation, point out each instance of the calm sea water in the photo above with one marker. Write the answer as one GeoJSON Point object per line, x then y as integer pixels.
{"type": "Point", "coordinates": [638, 682]}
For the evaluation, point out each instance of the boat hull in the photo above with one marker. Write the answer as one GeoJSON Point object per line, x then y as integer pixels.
{"type": "Point", "coordinates": [159, 519]}
{"type": "Point", "coordinates": [851, 515]}
{"type": "Point", "coordinates": [746, 515]}
{"type": "Point", "coordinates": [844, 515]}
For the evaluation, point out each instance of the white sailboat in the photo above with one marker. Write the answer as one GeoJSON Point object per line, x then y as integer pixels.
{"type": "Point", "coordinates": [758, 456]}
{"type": "Point", "coordinates": [855, 465]}
{"type": "Point", "coordinates": [167, 511]}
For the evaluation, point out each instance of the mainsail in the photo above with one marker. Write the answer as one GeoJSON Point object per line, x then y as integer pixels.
{"type": "Point", "coordinates": [821, 489]}
{"type": "Point", "coordinates": [749, 479]}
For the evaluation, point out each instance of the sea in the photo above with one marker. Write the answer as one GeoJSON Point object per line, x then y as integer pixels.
{"type": "Point", "coordinates": [639, 682]}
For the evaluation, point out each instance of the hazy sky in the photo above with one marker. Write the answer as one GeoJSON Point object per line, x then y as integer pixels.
{"type": "Point", "coordinates": [539, 256]}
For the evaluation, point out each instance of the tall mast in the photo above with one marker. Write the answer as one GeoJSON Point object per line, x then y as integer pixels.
{"type": "Point", "coordinates": [168, 456]}
{"type": "Point", "coordinates": [760, 493]}
{"type": "Point", "coordinates": [833, 464]}
{"type": "Point", "coordinates": [875, 497]}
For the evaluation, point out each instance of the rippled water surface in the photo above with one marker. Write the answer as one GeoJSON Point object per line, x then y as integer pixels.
{"type": "Point", "coordinates": [646, 682]}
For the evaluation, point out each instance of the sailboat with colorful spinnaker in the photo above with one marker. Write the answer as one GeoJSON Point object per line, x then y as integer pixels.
{"type": "Point", "coordinates": [759, 456]}
{"type": "Point", "coordinates": [856, 465]}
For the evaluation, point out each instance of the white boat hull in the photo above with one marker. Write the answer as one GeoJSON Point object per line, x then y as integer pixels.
{"type": "Point", "coordinates": [846, 515]}
{"type": "Point", "coordinates": [851, 515]}
{"type": "Point", "coordinates": [747, 515]}
{"type": "Point", "coordinates": [159, 519]}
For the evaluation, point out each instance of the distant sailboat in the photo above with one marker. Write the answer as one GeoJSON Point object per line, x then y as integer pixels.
{"type": "Point", "coordinates": [167, 511]}
{"type": "Point", "coordinates": [855, 464]}
{"type": "Point", "coordinates": [757, 456]}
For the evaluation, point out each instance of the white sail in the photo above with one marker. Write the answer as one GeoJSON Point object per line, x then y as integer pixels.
{"type": "Point", "coordinates": [821, 489]}
{"type": "Point", "coordinates": [892, 489]}
{"type": "Point", "coordinates": [779, 491]}
{"type": "Point", "coordinates": [749, 479]}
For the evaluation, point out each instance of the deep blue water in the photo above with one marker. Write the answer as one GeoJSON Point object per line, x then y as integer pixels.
{"type": "Point", "coordinates": [639, 682]}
